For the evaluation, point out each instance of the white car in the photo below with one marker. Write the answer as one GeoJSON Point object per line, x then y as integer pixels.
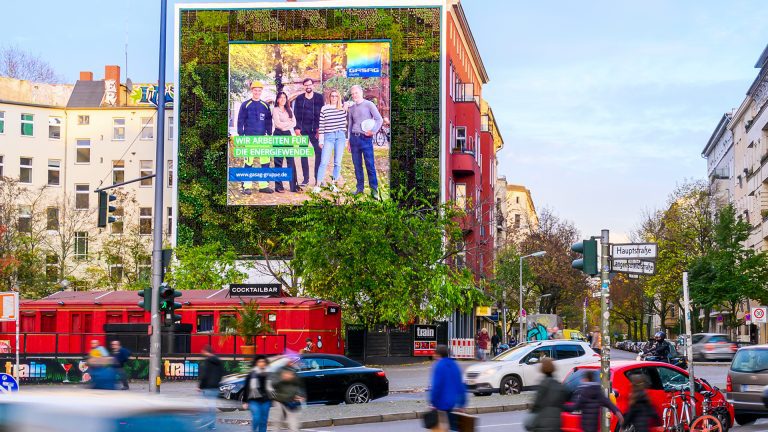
{"type": "Point", "coordinates": [518, 368]}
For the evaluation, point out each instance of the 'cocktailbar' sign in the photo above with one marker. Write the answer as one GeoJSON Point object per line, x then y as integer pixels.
{"type": "Point", "coordinates": [255, 290]}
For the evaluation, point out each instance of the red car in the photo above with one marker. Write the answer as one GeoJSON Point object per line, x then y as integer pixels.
{"type": "Point", "coordinates": [664, 380]}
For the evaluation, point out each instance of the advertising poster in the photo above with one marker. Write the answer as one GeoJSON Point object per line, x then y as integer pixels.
{"type": "Point", "coordinates": [307, 117]}
{"type": "Point", "coordinates": [424, 340]}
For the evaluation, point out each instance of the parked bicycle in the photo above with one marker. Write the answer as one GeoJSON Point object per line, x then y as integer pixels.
{"type": "Point", "coordinates": [714, 416]}
{"type": "Point", "coordinates": [383, 136]}
{"type": "Point", "coordinates": [677, 414]}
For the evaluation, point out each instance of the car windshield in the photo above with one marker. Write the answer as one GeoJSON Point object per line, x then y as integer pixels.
{"type": "Point", "coordinates": [750, 361]}
{"type": "Point", "coordinates": [513, 353]}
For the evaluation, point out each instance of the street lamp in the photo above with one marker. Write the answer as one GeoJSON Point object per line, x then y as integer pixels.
{"type": "Point", "coordinates": [542, 296]}
{"type": "Point", "coordinates": [64, 284]}
{"type": "Point", "coordinates": [520, 312]}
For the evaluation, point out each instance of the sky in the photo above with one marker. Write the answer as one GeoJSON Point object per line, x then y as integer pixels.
{"type": "Point", "coordinates": [604, 106]}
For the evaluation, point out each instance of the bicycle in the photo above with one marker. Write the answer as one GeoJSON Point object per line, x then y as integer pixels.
{"type": "Point", "coordinates": [382, 136]}
{"type": "Point", "coordinates": [677, 418]}
{"type": "Point", "coordinates": [713, 418]}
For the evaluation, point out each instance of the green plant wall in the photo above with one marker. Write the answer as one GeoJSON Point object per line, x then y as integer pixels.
{"type": "Point", "coordinates": [414, 34]}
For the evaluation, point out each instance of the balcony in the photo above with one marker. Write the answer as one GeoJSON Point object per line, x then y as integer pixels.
{"type": "Point", "coordinates": [465, 92]}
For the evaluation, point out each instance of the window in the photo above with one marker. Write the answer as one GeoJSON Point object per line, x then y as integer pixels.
{"type": "Point", "coordinates": [170, 173]}
{"type": "Point", "coordinates": [83, 151]}
{"type": "Point", "coordinates": [27, 124]}
{"type": "Point", "coordinates": [460, 195]}
{"type": "Point", "coordinates": [116, 273]}
{"type": "Point", "coordinates": [460, 143]}
{"type": "Point", "coordinates": [52, 268]}
{"type": "Point", "coordinates": [145, 220]}
{"type": "Point", "coordinates": [538, 353]}
{"type": "Point", "coordinates": [25, 219]}
{"type": "Point", "coordinates": [48, 322]}
{"type": "Point", "coordinates": [563, 352]}
{"type": "Point", "coordinates": [118, 171]}
{"type": "Point", "coordinates": [204, 322]}
{"type": "Point", "coordinates": [517, 200]}
{"type": "Point", "coordinates": [83, 120]}
{"type": "Point", "coordinates": [25, 170]}
{"type": "Point", "coordinates": [147, 129]}
{"type": "Point", "coordinates": [52, 218]}
{"type": "Point", "coordinates": [170, 128]}
{"type": "Point", "coordinates": [1, 166]}
{"type": "Point", "coordinates": [145, 269]}
{"type": "Point", "coordinates": [170, 220]}
{"type": "Point", "coordinates": [116, 227]}
{"type": "Point", "coordinates": [54, 128]}
{"type": "Point", "coordinates": [82, 197]}
{"type": "Point", "coordinates": [517, 221]}
{"type": "Point", "coordinates": [750, 361]}
{"type": "Point", "coordinates": [145, 167]}
{"type": "Point", "coordinates": [118, 129]}
{"type": "Point", "coordinates": [54, 172]}
{"type": "Point", "coordinates": [81, 245]}
{"type": "Point", "coordinates": [672, 380]}
{"type": "Point", "coordinates": [2, 122]}
{"type": "Point", "coordinates": [326, 363]}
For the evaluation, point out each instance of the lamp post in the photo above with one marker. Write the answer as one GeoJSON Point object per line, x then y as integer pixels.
{"type": "Point", "coordinates": [540, 298]}
{"type": "Point", "coordinates": [520, 312]}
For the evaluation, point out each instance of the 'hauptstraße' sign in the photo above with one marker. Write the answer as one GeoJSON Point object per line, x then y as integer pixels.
{"type": "Point", "coordinates": [255, 290]}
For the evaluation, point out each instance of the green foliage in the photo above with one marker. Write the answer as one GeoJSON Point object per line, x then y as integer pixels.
{"type": "Point", "coordinates": [248, 324]}
{"type": "Point", "coordinates": [209, 266]}
{"type": "Point", "coordinates": [382, 260]}
{"type": "Point", "coordinates": [506, 283]}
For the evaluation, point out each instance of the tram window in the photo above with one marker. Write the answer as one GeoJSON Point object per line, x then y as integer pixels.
{"type": "Point", "coordinates": [28, 322]}
{"type": "Point", "coordinates": [48, 322]}
{"type": "Point", "coordinates": [204, 322]}
{"type": "Point", "coordinates": [114, 317]}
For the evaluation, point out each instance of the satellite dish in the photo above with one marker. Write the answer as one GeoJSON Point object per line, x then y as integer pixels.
{"type": "Point", "coordinates": [129, 85]}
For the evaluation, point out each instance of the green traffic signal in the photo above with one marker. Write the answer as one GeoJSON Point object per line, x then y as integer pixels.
{"type": "Point", "coordinates": [105, 209]}
{"type": "Point", "coordinates": [588, 262]}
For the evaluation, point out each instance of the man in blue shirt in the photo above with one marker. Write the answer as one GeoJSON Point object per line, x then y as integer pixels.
{"type": "Point", "coordinates": [255, 118]}
{"type": "Point", "coordinates": [447, 393]}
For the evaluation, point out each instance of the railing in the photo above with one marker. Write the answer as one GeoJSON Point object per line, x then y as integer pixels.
{"type": "Point", "coordinates": [465, 92]}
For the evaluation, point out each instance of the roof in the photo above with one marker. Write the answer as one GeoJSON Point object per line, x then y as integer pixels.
{"type": "Point", "coordinates": [722, 126]}
{"type": "Point", "coordinates": [466, 29]}
{"type": "Point", "coordinates": [763, 58]}
{"type": "Point", "coordinates": [131, 298]}
{"type": "Point", "coordinates": [87, 94]}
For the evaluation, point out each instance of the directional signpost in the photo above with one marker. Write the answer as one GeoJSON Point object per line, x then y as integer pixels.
{"type": "Point", "coordinates": [634, 258]}
{"type": "Point", "coordinates": [638, 267]}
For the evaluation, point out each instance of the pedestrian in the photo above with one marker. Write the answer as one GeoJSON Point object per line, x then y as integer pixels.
{"type": "Point", "coordinates": [210, 377]}
{"type": "Point", "coordinates": [309, 347]}
{"type": "Point", "coordinates": [284, 122]}
{"type": "Point", "coordinates": [447, 393]}
{"type": "Point", "coordinates": [481, 341]}
{"type": "Point", "coordinates": [306, 108]}
{"type": "Point", "coordinates": [641, 414]}
{"type": "Point", "coordinates": [333, 136]}
{"type": "Point", "coordinates": [364, 121]}
{"type": "Point", "coordinates": [289, 394]}
{"type": "Point", "coordinates": [548, 405]}
{"type": "Point", "coordinates": [101, 367]}
{"type": "Point", "coordinates": [258, 394]}
{"type": "Point", "coordinates": [255, 119]}
{"type": "Point", "coordinates": [590, 400]}
{"type": "Point", "coordinates": [597, 340]}
{"type": "Point", "coordinates": [495, 344]}
{"type": "Point", "coordinates": [121, 355]}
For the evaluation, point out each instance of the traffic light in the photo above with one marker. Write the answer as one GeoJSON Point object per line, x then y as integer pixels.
{"type": "Point", "coordinates": [146, 294]}
{"type": "Point", "coordinates": [588, 262]}
{"type": "Point", "coordinates": [105, 210]}
{"type": "Point", "coordinates": [168, 304]}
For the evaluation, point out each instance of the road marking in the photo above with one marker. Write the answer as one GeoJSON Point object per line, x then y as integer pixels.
{"type": "Point", "coordinates": [497, 425]}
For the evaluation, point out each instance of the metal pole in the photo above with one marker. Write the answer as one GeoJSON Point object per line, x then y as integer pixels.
{"type": "Point", "coordinates": [520, 337]}
{"type": "Point", "coordinates": [584, 318]}
{"type": "Point", "coordinates": [18, 319]}
{"type": "Point", "coordinates": [503, 316]}
{"type": "Point", "coordinates": [688, 344]}
{"type": "Point", "coordinates": [605, 351]}
{"type": "Point", "coordinates": [157, 234]}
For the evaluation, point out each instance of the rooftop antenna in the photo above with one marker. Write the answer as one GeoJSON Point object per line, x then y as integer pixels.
{"type": "Point", "coordinates": [128, 82]}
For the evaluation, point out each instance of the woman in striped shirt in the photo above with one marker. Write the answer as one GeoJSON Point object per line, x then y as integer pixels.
{"type": "Point", "coordinates": [333, 137]}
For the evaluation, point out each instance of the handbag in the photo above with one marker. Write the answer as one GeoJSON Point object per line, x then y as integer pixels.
{"type": "Point", "coordinates": [430, 419]}
{"type": "Point", "coordinates": [465, 422]}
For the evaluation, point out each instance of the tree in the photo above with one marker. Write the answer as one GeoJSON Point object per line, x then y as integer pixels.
{"type": "Point", "coordinates": [63, 223]}
{"type": "Point", "coordinates": [506, 282]}
{"type": "Point", "coordinates": [208, 266]}
{"type": "Point", "coordinates": [628, 302]}
{"type": "Point", "coordinates": [385, 261]}
{"type": "Point", "coordinates": [20, 64]}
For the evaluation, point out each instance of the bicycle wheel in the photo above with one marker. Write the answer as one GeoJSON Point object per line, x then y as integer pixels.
{"type": "Point", "coordinates": [706, 423]}
{"type": "Point", "coordinates": [668, 419]}
{"type": "Point", "coordinates": [380, 138]}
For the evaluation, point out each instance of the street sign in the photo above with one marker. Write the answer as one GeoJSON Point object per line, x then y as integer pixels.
{"type": "Point", "coordinates": [8, 301]}
{"type": "Point", "coordinates": [627, 251]}
{"type": "Point", "coordinates": [8, 384]}
{"type": "Point", "coordinates": [758, 314]}
{"type": "Point", "coordinates": [633, 266]}
{"type": "Point", "coordinates": [483, 311]}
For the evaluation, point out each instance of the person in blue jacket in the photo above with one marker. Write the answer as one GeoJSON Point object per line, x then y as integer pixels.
{"type": "Point", "coordinates": [447, 394]}
{"type": "Point", "coordinates": [255, 118]}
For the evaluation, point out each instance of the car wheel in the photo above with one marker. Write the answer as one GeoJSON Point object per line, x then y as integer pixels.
{"type": "Point", "coordinates": [357, 393]}
{"type": "Point", "coordinates": [235, 403]}
{"type": "Point", "coordinates": [745, 419]}
{"type": "Point", "coordinates": [725, 419]}
{"type": "Point", "coordinates": [511, 385]}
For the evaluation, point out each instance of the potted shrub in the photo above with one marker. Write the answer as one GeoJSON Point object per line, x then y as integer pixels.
{"type": "Point", "coordinates": [248, 324]}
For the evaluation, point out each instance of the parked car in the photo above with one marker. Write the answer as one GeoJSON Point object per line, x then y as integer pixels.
{"type": "Point", "coordinates": [747, 377]}
{"type": "Point", "coordinates": [518, 368]}
{"type": "Point", "coordinates": [328, 378]}
{"type": "Point", "coordinates": [568, 334]}
{"type": "Point", "coordinates": [713, 346]}
{"type": "Point", "coordinates": [663, 379]}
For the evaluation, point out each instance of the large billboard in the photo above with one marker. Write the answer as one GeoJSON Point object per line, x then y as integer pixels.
{"type": "Point", "coordinates": [307, 117]}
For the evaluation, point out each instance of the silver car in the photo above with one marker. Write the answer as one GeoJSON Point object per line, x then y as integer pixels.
{"type": "Point", "coordinates": [713, 346]}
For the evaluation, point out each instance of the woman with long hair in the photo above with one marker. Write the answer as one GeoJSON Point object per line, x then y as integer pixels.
{"type": "Point", "coordinates": [642, 415]}
{"type": "Point", "coordinates": [333, 137]}
{"type": "Point", "coordinates": [284, 122]}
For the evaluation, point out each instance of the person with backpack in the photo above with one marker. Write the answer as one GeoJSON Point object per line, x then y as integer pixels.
{"type": "Point", "coordinates": [548, 405]}
{"type": "Point", "coordinates": [289, 394]}
{"type": "Point", "coordinates": [258, 396]}
{"type": "Point", "coordinates": [590, 400]}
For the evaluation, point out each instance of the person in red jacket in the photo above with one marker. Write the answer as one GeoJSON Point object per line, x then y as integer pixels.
{"type": "Point", "coordinates": [481, 342]}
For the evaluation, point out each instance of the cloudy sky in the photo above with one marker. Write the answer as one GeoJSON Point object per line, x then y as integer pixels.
{"type": "Point", "coordinates": [604, 106]}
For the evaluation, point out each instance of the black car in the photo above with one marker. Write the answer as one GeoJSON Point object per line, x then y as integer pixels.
{"type": "Point", "coordinates": [328, 378]}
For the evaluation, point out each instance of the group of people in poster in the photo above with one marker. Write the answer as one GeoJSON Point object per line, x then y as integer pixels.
{"type": "Point", "coordinates": [331, 126]}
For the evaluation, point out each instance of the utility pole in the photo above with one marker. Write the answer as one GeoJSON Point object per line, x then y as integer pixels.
{"type": "Point", "coordinates": [605, 353]}
{"type": "Point", "coordinates": [688, 342]}
{"type": "Point", "coordinates": [157, 233]}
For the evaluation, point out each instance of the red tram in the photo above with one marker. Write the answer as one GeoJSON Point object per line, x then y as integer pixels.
{"type": "Point", "coordinates": [65, 322]}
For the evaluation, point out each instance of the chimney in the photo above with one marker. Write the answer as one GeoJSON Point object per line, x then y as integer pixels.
{"type": "Point", "coordinates": [112, 72]}
{"type": "Point", "coordinates": [86, 76]}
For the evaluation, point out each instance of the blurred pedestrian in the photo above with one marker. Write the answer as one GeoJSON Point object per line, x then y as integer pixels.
{"type": "Point", "coordinates": [641, 413]}
{"type": "Point", "coordinates": [289, 394]}
{"type": "Point", "coordinates": [101, 367]}
{"type": "Point", "coordinates": [590, 400]}
{"type": "Point", "coordinates": [258, 388]}
{"type": "Point", "coordinates": [495, 344]}
{"type": "Point", "coordinates": [548, 405]}
{"type": "Point", "coordinates": [121, 355]}
{"type": "Point", "coordinates": [481, 342]}
{"type": "Point", "coordinates": [447, 393]}
{"type": "Point", "coordinates": [210, 377]}
{"type": "Point", "coordinates": [309, 347]}
{"type": "Point", "coordinates": [597, 340]}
